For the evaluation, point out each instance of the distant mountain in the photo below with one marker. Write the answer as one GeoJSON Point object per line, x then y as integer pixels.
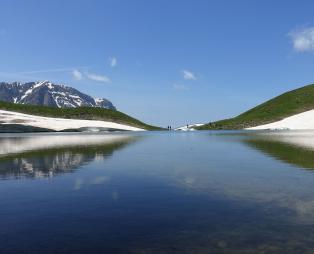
{"type": "Point", "coordinates": [45, 93]}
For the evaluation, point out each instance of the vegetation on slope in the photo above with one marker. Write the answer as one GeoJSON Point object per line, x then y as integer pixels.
{"type": "Point", "coordinates": [276, 109]}
{"type": "Point", "coordinates": [86, 113]}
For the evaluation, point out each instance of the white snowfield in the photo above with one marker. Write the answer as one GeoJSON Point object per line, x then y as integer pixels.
{"type": "Point", "coordinates": [190, 128]}
{"type": "Point", "coordinates": [59, 124]}
{"type": "Point", "coordinates": [302, 121]}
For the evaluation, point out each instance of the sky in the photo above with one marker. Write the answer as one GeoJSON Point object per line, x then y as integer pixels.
{"type": "Point", "coordinates": [164, 62]}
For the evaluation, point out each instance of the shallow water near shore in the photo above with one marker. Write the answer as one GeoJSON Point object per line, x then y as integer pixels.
{"type": "Point", "coordinates": [157, 192]}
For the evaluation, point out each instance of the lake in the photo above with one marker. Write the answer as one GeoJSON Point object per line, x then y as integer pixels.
{"type": "Point", "coordinates": [157, 192]}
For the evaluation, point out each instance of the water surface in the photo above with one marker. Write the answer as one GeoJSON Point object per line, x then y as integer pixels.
{"type": "Point", "coordinates": [157, 192]}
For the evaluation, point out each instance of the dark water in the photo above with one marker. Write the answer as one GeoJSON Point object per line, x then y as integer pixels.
{"type": "Point", "coordinates": [196, 192]}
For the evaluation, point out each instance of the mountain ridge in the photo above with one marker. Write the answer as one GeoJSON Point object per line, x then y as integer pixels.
{"type": "Point", "coordinates": [46, 93]}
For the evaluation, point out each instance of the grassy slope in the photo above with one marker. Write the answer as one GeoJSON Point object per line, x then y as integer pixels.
{"type": "Point", "coordinates": [85, 113]}
{"type": "Point", "coordinates": [287, 104]}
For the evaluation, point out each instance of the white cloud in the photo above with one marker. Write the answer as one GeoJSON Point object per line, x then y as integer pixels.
{"type": "Point", "coordinates": [188, 75]}
{"type": "Point", "coordinates": [180, 87]}
{"type": "Point", "coordinates": [113, 61]}
{"type": "Point", "coordinates": [303, 39]}
{"type": "Point", "coordinates": [98, 78]}
{"type": "Point", "coordinates": [77, 74]}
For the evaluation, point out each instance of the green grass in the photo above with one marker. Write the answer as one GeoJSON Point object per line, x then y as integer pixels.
{"type": "Point", "coordinates": [86, 113]}
{"type": "Point", "coordinates": [278, 108]}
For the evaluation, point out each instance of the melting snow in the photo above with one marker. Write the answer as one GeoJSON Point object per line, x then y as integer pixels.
{"type": "Point", "coordinates": [59, 124]}
{"type": "Point", "coordinates": [302, 121]}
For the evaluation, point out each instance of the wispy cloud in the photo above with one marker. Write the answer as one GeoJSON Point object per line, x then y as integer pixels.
{"type": "Point", "coordinates": [303, 39]}
{"type": "Point", "coordinates": [32, 74]}
{"type": "Point", "coordinates": [77, 74]}
{"type": "Point", "coordinates": [188, 75]}
{"type": "Point", "coordinates": [113, 61]}
{"type": "Point", "coordinates": [47, 70]}
{"type": "Point", "coordinates": [98, 78]}
{"type": "Point", "coordinates": [180, 87]}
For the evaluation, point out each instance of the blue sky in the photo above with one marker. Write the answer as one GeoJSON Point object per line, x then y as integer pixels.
{"type": "Point", "coordinates": [164, 62]}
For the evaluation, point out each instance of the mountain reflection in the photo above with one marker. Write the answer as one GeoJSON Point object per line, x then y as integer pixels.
{"type": "Point", "coordinates": [293, 147]}
{"type": "Point", "coordinates": [48, 155]}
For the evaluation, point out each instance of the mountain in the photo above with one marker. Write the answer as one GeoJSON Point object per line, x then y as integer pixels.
{"type": "Point", "coordinates": [45, 93]}
{"type": "Point", "coordinates": [33, 118]}
{"type": "Point", "coordinates": [295, 105]}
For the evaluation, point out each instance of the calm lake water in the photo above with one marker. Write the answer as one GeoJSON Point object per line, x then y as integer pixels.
{"type": "Point", "coordinates": [170, 192]}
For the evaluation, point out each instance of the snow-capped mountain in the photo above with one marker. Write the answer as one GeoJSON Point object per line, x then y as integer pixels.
{"type": "Point", "coordinates": [45, 93]}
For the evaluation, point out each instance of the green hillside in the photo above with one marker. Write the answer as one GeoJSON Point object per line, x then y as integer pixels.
{"type": "Point", "coordinates": [285, 105]}
{"type": "Point", "coordinates": [86, 113]}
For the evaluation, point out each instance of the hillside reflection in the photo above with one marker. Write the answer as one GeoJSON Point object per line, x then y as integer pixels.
{"type": "Point", "coordinates": [48, 155]}
{"type": "Point", "coordinates": [293, 147]}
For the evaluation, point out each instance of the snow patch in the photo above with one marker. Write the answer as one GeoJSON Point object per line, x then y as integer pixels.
{"type": "Point", "coordinates": [302, 121]}
{"type": "Point", "coordinates": [59, 124]}
{"type": "Point", "coordinates": [189, 127]}
{"type": "Point", "coordinates": [29, 91]}
{"type": "Point", "coordinates": [98, 100]}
